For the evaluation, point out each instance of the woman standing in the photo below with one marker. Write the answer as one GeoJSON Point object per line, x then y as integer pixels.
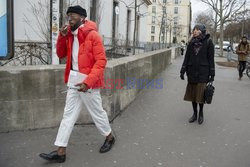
{"type": "Point", "coordinates": [199, 67]}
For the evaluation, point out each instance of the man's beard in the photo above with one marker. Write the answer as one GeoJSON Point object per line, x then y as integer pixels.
{"type": "Point", "coordinates": [76, 26]}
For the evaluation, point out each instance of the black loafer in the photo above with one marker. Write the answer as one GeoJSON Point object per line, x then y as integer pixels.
{"type": "Point", "coordinates": [107, 145]}
{"type": "Point", "coordinates": [53, 157]}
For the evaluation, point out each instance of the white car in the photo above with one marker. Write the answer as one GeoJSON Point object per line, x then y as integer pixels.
{"type": "Point", "coordinates": [225, 45]}
{"type": "Point", "coordinates": [235, 45]}
{"type": "Point", "coordinates": [217, 46]}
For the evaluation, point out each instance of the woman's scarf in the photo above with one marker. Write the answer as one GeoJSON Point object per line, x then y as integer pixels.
{"type": "Point", "coordinates": [243, 46]}
{"type": "Point", "coordinates": [197, 43]}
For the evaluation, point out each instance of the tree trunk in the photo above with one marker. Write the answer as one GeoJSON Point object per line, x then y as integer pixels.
{"type": "Point", "coordinates": [135, 27]}
{"type": "Point", "coordinates": [170, 35]}
{"type": "Point", "coordinates": [215, 24]}
{"type": "Point", "coordinates": [221, 29]}
{"type": "Point", "coordinates": [243, 22]}
{"type": "Point", "coordinates": [160, 33]}
{"type": "Point", "coordinates": [163, 29]}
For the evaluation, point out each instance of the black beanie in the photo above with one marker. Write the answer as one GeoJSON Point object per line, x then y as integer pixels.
{"type": "Point", "coordinates": [200, 27]}
{"type": "Point", "coordinates": [77, 9]}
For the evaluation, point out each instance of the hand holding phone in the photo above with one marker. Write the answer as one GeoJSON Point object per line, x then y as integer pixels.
{"type": "Point", "coordinates": [64, 30]}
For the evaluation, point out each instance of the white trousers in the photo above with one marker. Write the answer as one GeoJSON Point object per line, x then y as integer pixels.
{"type": "Point", "coordinates": [74, 103]}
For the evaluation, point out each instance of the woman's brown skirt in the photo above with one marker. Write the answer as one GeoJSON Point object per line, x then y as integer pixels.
{"type": "Point", "coordinates": [195, 92]}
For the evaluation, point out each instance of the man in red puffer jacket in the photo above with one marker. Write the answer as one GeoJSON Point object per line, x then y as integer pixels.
{"type": "Point", "coordinates": [82, 45]}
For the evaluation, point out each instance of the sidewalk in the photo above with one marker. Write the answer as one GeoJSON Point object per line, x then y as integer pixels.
{"type": "Point", "coordinates": [154, 131]}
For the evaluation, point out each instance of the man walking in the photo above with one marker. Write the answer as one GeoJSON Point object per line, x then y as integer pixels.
{"type": "Point", "coordinates": [82, 45]}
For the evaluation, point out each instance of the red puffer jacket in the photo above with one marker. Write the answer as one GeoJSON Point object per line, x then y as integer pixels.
{"type": "Point", "coordinates": [91, 56]}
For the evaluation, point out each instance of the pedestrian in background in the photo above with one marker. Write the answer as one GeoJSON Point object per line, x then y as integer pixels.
{"type": "Point", "coordinates": [198, 65]}
{"type": "Point", "coordinates": [243, 49]}
{"type": "Point", "coordinates": [82, 45]}
{"type": "Point", "coordinates": [183, 47]}
{"type": "Point", "coordinates": [230, 51]}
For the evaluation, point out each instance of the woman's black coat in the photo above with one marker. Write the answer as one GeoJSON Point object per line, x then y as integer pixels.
{"type": "Point", "coordinates": [201, 66]}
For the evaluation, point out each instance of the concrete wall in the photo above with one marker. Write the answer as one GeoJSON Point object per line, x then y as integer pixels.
{"type": "Point", "coordinates": [31, 97]}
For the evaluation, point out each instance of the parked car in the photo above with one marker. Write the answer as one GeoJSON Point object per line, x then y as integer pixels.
{"type": "Point", "coordinates": [225, 45]}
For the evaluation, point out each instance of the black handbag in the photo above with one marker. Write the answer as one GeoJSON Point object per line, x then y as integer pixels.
{"type": "Point", "coordinates": [209, 92]}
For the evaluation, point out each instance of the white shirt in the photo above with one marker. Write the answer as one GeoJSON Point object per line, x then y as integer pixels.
{"type": "Point", "coordinates": [75, 49]}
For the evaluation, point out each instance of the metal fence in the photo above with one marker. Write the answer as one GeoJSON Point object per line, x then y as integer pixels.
{"type": "Point", "coordinates": [116, 48]}
{"type": "Point", "coordinates": [29, 53]}
{"type": "Point", "coordinates": [38, 53]}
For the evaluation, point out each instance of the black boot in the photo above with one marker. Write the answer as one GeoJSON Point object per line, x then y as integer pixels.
{"type": "Point", "coordinates": [194, 116]}
{"type": "Point", "coordinates": [201, 117]}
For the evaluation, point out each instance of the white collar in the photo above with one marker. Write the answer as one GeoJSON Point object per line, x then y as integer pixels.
{"type": "Point", "coordinates": [76, 31]}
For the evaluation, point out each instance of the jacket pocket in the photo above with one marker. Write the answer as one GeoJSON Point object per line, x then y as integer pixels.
{"type": "Point", "coordinates": [204, 69]}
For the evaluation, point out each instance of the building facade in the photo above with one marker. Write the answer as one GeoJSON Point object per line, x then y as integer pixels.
{"type": "Point", "coordinates": [37, 22]}
{"type": "Point", "coordinates": [169, 21]}
{"type": "Point", "coordinates": [115, 18]}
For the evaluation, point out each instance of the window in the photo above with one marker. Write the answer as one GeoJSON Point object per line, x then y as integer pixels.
{"type": "Point", "coordinates": [174, 30]}
{"type": "Point", "coordinates": [153, 9]}
{"type": "Point", "coordinates": [153, 19]}
{"type": "Point", "coordinates": [164, 9]}
{"type": "Point", "coordinates": [176, 2]}
{"type": "Point", "coordinates": [6, 42]}
{"type": "Point", "coordinates": [152, 38]}
{"type": "Point", "coordinates": [164, 1]}
{"type": "Point", "coordinates": [175, 20]}
{"type": "Point", "coordinates": [162, 38]}
{"type": "Point", "coordinates": [152, 29]}
{"type": "Point", "coordinates": [175, 10]}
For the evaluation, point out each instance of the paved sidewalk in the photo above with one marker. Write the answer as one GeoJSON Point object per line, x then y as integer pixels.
{"type": "Point", "coordinates": [154, 131]}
